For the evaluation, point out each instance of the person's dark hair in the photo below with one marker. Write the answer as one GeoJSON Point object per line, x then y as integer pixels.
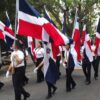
{"type": "Point", "coordinates": [40, 43]}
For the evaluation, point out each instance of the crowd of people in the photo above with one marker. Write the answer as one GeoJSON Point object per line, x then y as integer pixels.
{"type": "Point", "coordinates": [66, 56]}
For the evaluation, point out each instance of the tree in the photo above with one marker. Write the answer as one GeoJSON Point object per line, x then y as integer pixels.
{"type": "Point", "coordinates": [57, 8]}
{"type": "Point", "coordinates": [86, 11]}
{"type": "Point", "coordinates": [9, 6]}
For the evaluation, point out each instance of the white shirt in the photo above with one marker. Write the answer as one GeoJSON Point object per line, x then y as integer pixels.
{"type": "Point", "coordinates": [66, 55]}
{"type": "Point", "coordinates": [20, 55]}
{"type": "Point", "coordinates": [74, 55]}
{"type": "Point", "coordinates": [39, 52]}
{"type": "Point", "coordinates": [98, 51]}
{"type": "Point", "coordinates": [26, 52]}
{"type": "Point", "coordinates": [61, 48]}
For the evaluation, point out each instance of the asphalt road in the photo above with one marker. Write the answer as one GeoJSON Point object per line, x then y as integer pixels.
{"type": "Point", "coordinates": [38, 91]}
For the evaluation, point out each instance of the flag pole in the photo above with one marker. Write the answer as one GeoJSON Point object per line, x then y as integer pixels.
{"type": "Point", "coordinates": [16, 17]}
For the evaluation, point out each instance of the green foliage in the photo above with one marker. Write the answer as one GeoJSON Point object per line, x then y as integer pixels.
{"type": "Point", "coordinates": [87, 11]}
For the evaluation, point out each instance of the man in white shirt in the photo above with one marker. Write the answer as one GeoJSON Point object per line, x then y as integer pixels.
{"type": "Point", "coordinates": [70, 64]}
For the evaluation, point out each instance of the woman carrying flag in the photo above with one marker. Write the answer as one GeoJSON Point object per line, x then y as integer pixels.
{"type": "Point", "coordinates": [51, 73]}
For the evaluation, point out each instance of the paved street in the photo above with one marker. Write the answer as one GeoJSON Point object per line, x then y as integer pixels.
{"type": "Point", "coordinates": [39, 91]}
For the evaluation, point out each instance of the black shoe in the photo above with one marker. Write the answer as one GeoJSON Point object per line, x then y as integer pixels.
{"type": "Point", "coordinates": [68, 90]}
{"type": "Point", "coordinates": [39, 81]}
{"type": "Point", "coordinates": [95, 77]}
{"type": "Point", "coordinates": [26, 96]}
{"type": "Point", "coordinates": [42, 80]}
{"type": "Point", "coordinates": [73, 86]}
{"type": "Point", "coordinates": [59, 73]}
{"type": "Point", "coordinates": [25, 82]}
{"type": "Point", "coordinates": [86, 80]}
{"type": "Point", "coordinates": [88, 83]}
{"type": "Point", "coordinates": [54, 90]}
{"type": "Point", "coordinates": [49, 96]}
{"type": "Point", "coordinates": [1, 85]}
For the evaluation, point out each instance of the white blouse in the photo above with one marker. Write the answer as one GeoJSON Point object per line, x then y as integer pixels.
{"type": "Point", "coordinates": [39, 52]}
{"type": "Point", "coordinates": [20, 55]}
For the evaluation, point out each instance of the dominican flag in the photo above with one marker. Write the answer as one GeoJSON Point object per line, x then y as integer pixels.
{"type": "Point", "coordinates": [31, 24]}
{"type": "Point", "coordinates": [9, 34]}
{"type": "Point", "coordinates": [54, 49]}
{"type": "Point", "coordinates": [76, 36]}
{"type": "Point", "coordinates": [31, 46]}
{"type": "Point", "coordinates": [97, 37]}
{"type": "Point", "coordinates": [6, 31]}
{"type": "Point", "coordinates": [76, 39]}
{"type": "Point", "coordinates": [51, 72]}
{"type": "Point", "coordinates": [47, 16]}
{"type": "Point", "coordinates": [87, 44]}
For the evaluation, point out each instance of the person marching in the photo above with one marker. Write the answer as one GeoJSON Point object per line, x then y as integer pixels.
{"type": "Point", "coordinates": [97, 62]}
{"type": "Point", "coordinates": [51, 73]}
{"type": "Point", "coordinates": [87, 55]}
{"type": "Point", "coordinates": [86, 66]}
{"type": "Point", "coordinates": [39, 51]}
{"type": "Point", "coordinates": [24, 50]}
{"type": "Point", "coordinates": [69, 64]}
{"type": "Point", "coordinates": [97, 50]}
{"type": "Point", "coordinates": [59, 57]}
{"type": "Point", "coordinates": [17, 68]}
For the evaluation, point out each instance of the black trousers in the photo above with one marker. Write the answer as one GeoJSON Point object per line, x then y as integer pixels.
{"type": "Point", "coordinates": [29, 51]}
{"type": "Point", "coordinates": [25, 77]}
{"type": "Point", "coordinates": [97, 66]}
{"type": "Point", "coordinates": [69, 80]}
{"type": "Point", "coordinates": [18, 79]}
{"type": "Point", "coordinates": [63, 53]}
{"type": "Point", "coordinates": [58, 63]}
{"type": "Point", "coordinates": [40, 75]}
{"type": "Point", "coordinates": [50, 87]}
{"type": "Point", "coordinates": [1, 85]}
{"type": "Point", "coordinates": [87, 70]}
{"type": "Point", "coordinates": [94, 67]}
